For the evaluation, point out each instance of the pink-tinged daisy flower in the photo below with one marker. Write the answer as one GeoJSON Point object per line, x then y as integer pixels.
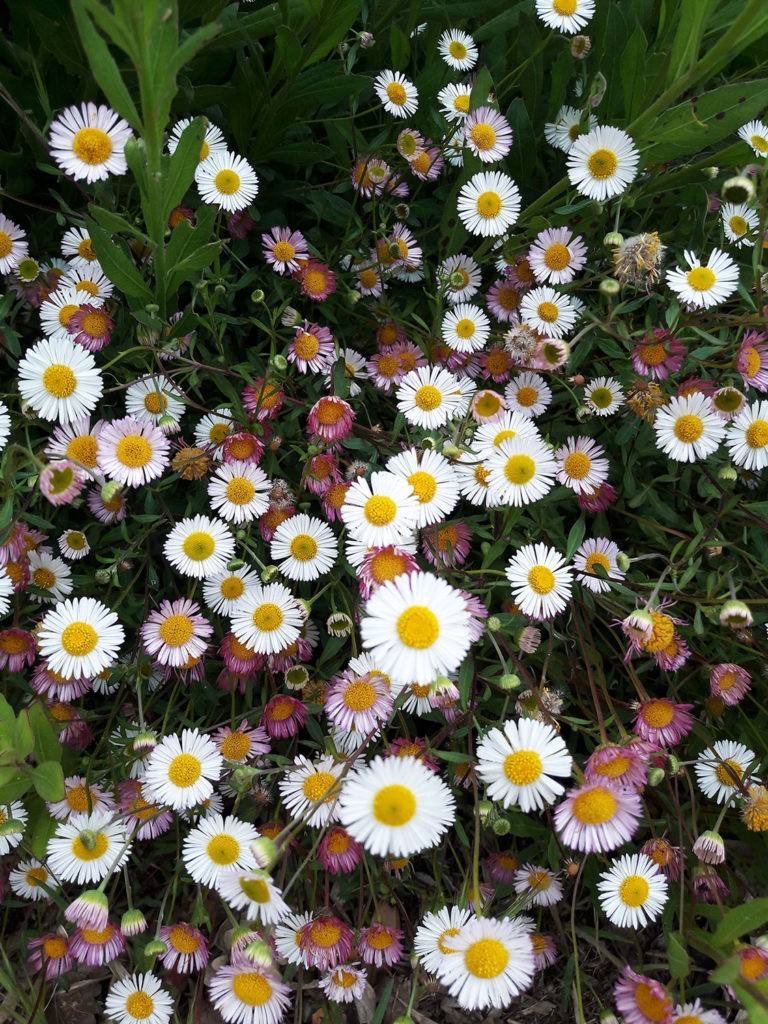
{"type": "Point", "coordinates": [143, 819]}
{"type": "Point", "coordinates": [380, 565]}
{"type": "Point", "coordinates": [446, 544]}
{"type": "Point", "coordinates": [88, 142]}
{"type": "Point", "coordinates": [487, 134]}
{"type": "Point", "coordinates": [94, 947]}
{"type": "Point", "coordinates": [598, 500]}
{"type": "Point", "coordinates": [674, 655]}
{"type": "Point", "coordinates": [581, 464]}
{"type": "Point", "coordinates": [77, 442]}
{"type": "Point", "coordinates": [729, 682]}
{"type": "Point", "coordinates": [61, 482]}
{"type": "Point", "coordinates": [316, 279]}
{"type": "Point", "coordinates": [186, 948]}
{"type": "Point", "coordinates": [501, 867]}
{"type": "Point", "coordinates": [243, 744]}
{"type": "Point", "coordinates": [658, 355]}
{"type": "Point", "coordinates": [263, 399]}
{"type": "Point", "coordinates": [247, 993]}
{"type": "Point", "coordinates": [239, 659]}
{"type": "Point", "coordinates": [728, 402]}
{"type": "Point", "coordinates": [283, 716]}
{"type": "Point", "coordinates": [13, 245]}
{"type": "Point", "coordinates": [176, 631]}
{"type": "Point", "coordinates": [358, 703]}
{"type": "Point", "coordinates": [330, 419]}
{"type": "Point", "coordinates": [496, 364]}
{"type": "Point", "coordinates": [707, 886]}
{"type": "Point", "coordinates": [132, 451]}
{"type": "Point", "coordinates": [614, 765]}
{"type": "Point", "coordinates": [503, 300]}
{"type": "Point", "coordinates": [539, 884]}
{"type": "Point", "coordinates": [283, 248]}
{"type": "Point", "coordinates": [594, 553]}
{"type": "Point", "coordinates": [380, 945]}
{"type": "Point", "coordinates": [694, 1013]}
{"type": "Point", "coordinates": [91, 326]}
{"type": "Point", "coordinates": [326, 941]}
{"type": "Point", "coordinates": [242, 447]}
{"type": "Point", "coordinates": [752, 360]}
{"type": "Point", "coordinates": [80, 798]}
{"type": "Point", "coordinates": [556, 256]}
{"type": "Point", "coordinates": [753, 963]}
{"type": "Point", "coordinates": [369, 175]}
{"type": "Point", "coordinates": [50, 954]}
{"type": "Point", "coordinates": [54, 685]}
{"type": "Point", "coordinates": [73, 731]}
{"type": "Point", "coordinates": [596, 817]}
{"type": "Point", "coordinates": [17, 649]}
{"type": "Point", "coordinates": [428, 164]}
{"type": "Point", "coordinates": [641, 1000]}
{"type": "Point", "coordinates": [668, 858]}
{"type": "Point", "coordinates": [662, 722]}
{"type": "Point", "coordinates": [544, 950]}
{"type": "Point", "coordinates": [709, 847]}
{"type": "Point", "coordinates": [385, 370]}
{"type": "Point", "coordinates": [322, 471]}
{"type": "Point", "coordinates": [339, 853]}
{"type": "Point", "coordinates": [113, 509]}
{"type": "Point", "coordinates": [345, 984]}
{"type": "Point", "coordinates": [311, 348]}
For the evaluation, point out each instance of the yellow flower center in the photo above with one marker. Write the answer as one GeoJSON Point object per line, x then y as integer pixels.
{"type": "Point", "coordinates": [394, 805]}
{"type": "Point", "coordinates": [729, 773]}
{"type": "Point", "coordinates": [338, 842]}
{"type": "Point", "coordinates": [380, 940]}
{"type": "Point", "coordinates": [577, 465]}
{"type": "Point", "coordinates": [602, 164]}
{"type": "Point", "coordinates": [232, 588]}
{"type": "Point", "coordinates": [256, 889]}
{"type": "Point", "coordinates": [227, 182]}
{"type": "Point", "coordinates": [483, 136]}
{"type": "Point", "coordinates": [541, 579]}
{"type": "Point", "coordinates": [283, 251]}
{"type": "Point", "coordinates": [652, 355]}
{"type": "Point", "coordinates": [182, 940]}
{"type": "Point", "coordinates": [520, 469]}
{"type": "Point", "coordinates": [461, 104]}
{"type": "Point", "coordinates": [457, 50]}
{"type": "Point", "coordinates": [688, 428]}
{"type": "Point", "coordinates": [360, 695]}
{"type": "Point", "coordinates": [306, 346]}
{"type": "Point", "coordinates": [601, 397]}
{"type": "Point", "coordinates": [235, 746]}
{"type": "Point", "coordinates": [35, 877]}
{"type": "Point", "coordinates": [701, 279]}
{"type": "Point", "coordinates": [155, 403]}
{"type": "Point", "coordinates": [481, 475]}
{"type": "Point", "coordinates": [424, 486]}
{"type": "Point", "coordinates": [84, 853]}
{"type": "Point", "coordinates": [658, 713]}
{"type": "Point", "coordinates": [240, 491]}
{"type": "Point", "coordinates": [77, 798]}
{"type": "Point", "coordinates": [6, 245]}
{"type": "Point", "coordinates": [751, 967]}
{"type": "Point", "coordinates": [95, 324]}
{"type": "Point", "coordinates": [465, 328]}
{"type": "Point", "coordinates": [317, 786]}
{"type": "Point", "coordinates": [303, 547]}
{"type": "Point", "coordinates": [92, 146]}
{"type": "Point", "coordinates": [488, 205]}
{"type": "Point", "coordinates": [59, 381]}
{"type": "Point", "coordinates": [442, 944]}
{"type": "Point", "coordinates": [83, 449]}
{"type": "Point", "coordinates": [418, 627]}
{"type": "Point", "coordinates": [661, 635]}
{"type": "Point", "coordinates": [85, 250]}
{"type": "Point", "coordinates": [43, 578]}
{"type": "Point", "coordinates": [653, 1007]}
{"type": "Point", "coordinates": [557, 257]}
{"type": "Point", "coordinates": [133, 451]}
{"type": "Point", "coordinates": [380, 510]}
{"type": "Point", "coordinates": [198, 546]}
{"type": "Point", "coordinates": [139, 1005]}
{"type": "Point", "coordinates": [428, 398]}
{"type": "Point", "coordinates": [486, 958]}
{"type": "Point", "coordinates": [523, 767]}
{"type": "Point", "coordinates": [759, 142]}
{"type": "Point", "coordinates": [267, 617]}
{"type": "Point", "coordinates": [738, 225]}
{"type": "Point", "coordinates": [488, 404]}
{"type": "Point", "coordinates": [633, 891]}
{"type": "Point", "coordinates": [527, 396]}
{"type": "Point", "coordinates": [757, 434]}
{"type": "Point", "coordinates": [387, 566]}
{"type": "Point", "coordinates": [396, 94]}
{"type": "Point", "coordinates": [252, 989]}
{"type": "Point", "coordinates": [223, 849]}
{"type": "Point", "coordinates": [548, 312]}
{"type": "Point", "coordinates": [314, 282]}
{"type": "Point", "coordinates": [594, 807]}
{"type": "Point", "coordinates": [219, 432]}
{"type": "Point", "coordinates": [597, 558]}
{"type": "Point", "coordinates": [539, 881]}
{"type": "Point", "coordinates": [184, 770]}
{"type": "Point", "coordinates": [79, 639]}
{"type": "Point", "coordinates": [325, 934]}
{"type": "Point", "coordinates": [176, 630]}
{"type": "Point", "coordinates": [54, 949]}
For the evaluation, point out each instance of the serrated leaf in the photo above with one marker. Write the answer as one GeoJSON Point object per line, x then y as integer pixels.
{"type": "Point", "coordinates": [749, 917]}
{"type": "Point", "coordinates": [48, 780]}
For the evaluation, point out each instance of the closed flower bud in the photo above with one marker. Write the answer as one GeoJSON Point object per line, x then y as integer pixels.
{"type": "Point", "coordinates": [366, 40]}
{"type": "Point", "coordinates": [738, 189]}
{"type": "Point", "coordinates": [257, 297]}
{"type": "Point", "coordinates": [735, 614]}
{"type": "Point", "coordinates": [103, 576]}
{"type": "Point", "coordinates": [494, 624]}
{"type": "Point", "coordinates": [265, 852]}
{"type": "Point", "coordinates": [727, 475]}
{"type": "Point", "coordinates": [144, 742]}
{"type": "Point", "coordinates": [450, 451]}
{"type": "Point", "coordinates": [154, 948]}
{"type": "Point", "coordinates": [110, 491]}
{"type": "Point", "coordinates": [235, 563]}
{"type": "Point", "coordinates": [278, 362]}
{"type": "Point", "coordinates": [133, 922]}
{"type": "Point", "coordinates": [609, 287]}
{"type": "Point", "coordinates": [485, 810]}
{"type": "Point", "coordinates": [510, 682]}
{"type": "Point", "coordinates": [623, 561]}
{"type": "Point", "coordinates": [258, 953]}
{"type": "Point", "coordinates": [269, 573]}
{"type": "Point", "coordinates": [673, 764]}
{"type": "Point", "coordinates": [656, 776]}
{"type": "Point", "coordinates": [613, 238]}
{"type": "Point", "coordinates": [709, 847]}
{"type": "Point", "coordinates": [502, 827]}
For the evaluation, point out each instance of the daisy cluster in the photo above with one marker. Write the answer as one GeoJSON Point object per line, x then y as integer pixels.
{"type": "Point", "coordinates": [354, 633]}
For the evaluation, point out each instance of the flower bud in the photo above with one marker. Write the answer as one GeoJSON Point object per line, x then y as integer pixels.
{"type": "Point", "coordinates": [609, 287]}
{"type": "Point", "coordinates": [402, 211]}
{"type": "Point", "coordinates": [738, 189]}
{"type": "Point", "coordinates": [103, 576]}
{"type": "Point", "coordinates": [450, 451]}
{"type": "Point", "coordinates": [242, 778]}
{"type": "Point", "coordinates": [485, 810]}
{"type": "Point", "coordinates": [269, 573]}
{"type": "Point", "coordinates": [727, 475]}
{"type": "Point", "coordinates": [613, 238]}
{"type": "Point", "coordinates": [144, 742]}
{"type": "Point", "coordinates": [154, 948]}
{"type": "Point", "coordinates": [12, 827]}
{"type": "Point", "coordinates": [580, 47]}
{"type": "Point", "coordinates": [265, 852]}
{"type": "Point", "coordinates": [494, 624]}
{"type": "Point", "coordinates": [673, 764]}
{"type": "Point", "coordinates": [509, 682]}
{"type": "Point", "coordinates": [88, 838]}
{"type": "Point", "coordinates": [133, 922]}
{"type": "Point", "coordinates": [656, 776]}
{"type": "Point", "coordinates": [339, 624]}
{"type": "Point", "coordinates": [709, 847]}
{"type": "Point", "coordinates": [257, 297]}
{"type": "Point", "coordinates": [735, 614]}
{"type": "Point", "coordinates": [278, 362]}
{"type": "Point", "coordinates": [258, 952]}
{"type": "Point", "coordinates": [623, 561]}
{"type": "Point", "coordinates": [366, 40]}
{"type": "Point", "coordinates": [110, 490]}
{"type": "Point", "coordinates": [502, 827]}
{"type": "Point", "coordinates": [235, 563]}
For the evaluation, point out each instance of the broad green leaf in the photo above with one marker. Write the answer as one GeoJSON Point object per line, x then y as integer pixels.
{"type": "Point", "coordinates": [749, 917]}
{"type": "Point", "coordinates": [23, 737]}
{"type": "Point", "coordinates": [575, 537]}
{"type": "Point", "coordinates": [333, 25]}
{"type": "Point", "coordinates": [117, 265]}
{"type": "Point", "coordinates": [104, 68]}
{"type": "Point", "coordinates": [633, 71]}
{"type": "Point", "coordinates": [399, 47]}
{"type": "Point", "coordinates": [679, 963]}
{"type": "Point", "coordinates": [16, 787]}
{"type": "Point", "coordinates": [187, 269]}
{"type": "Point", "coordinates": [48, 780]}
{"type": "Point", "coordinates": [47, 745]}
{"type": "Point", "coordinates": [115, 223]}
{"type": "Point", "coordinates": [40, 829]}
{"type": "Point", "coordinates": [181, 166]}
{"type": "Point", "coordinates": [691, 19]}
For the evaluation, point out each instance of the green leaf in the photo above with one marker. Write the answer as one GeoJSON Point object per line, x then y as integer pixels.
{"type": "Point", "coordinates": [48, 780]}
{"type": "Point", "coordinates": [41, 828]}
{"type": "Point", "coordinates": [47, 745]}
{"type": "Point", "coordinates": [23, 737]}
{"type": "Point", "coordinates": [104, 68]}
{"type": "Point", "coordinates": [117, 265]}
{"type": "Point", "coordinates": [15, 786]}
{"type": "Point", "coordinates": [575, 537]}
{"type": "Point", "coordinates": [399, 47]}
{"type": "Point", "coordinates": [679, 963]}
{"type": "Point", "coordinates": [633, 70]}
{"type": "Point", "coordinates": [186, 270]}
{"type": "Point", "coordinates": [749, 917]}
{"type": "Point", "coordinates": [182, 165]}
{"type": "Point", "coordinates": [691, 18]}
{"type": "Point", "coordinates": [115, 223]}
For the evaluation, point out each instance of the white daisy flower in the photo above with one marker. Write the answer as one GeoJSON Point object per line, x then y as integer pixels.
{"type": "Point", "coordinates": [602, 163]}
{"type": "Point", "coordinates": [505, 427]}
{"type": "Point", "coordinates": [223, 591]}
{"type": "Point", "coordinates": [557, 255]}
{"type": "Point", "coordinates": [487, 134]}
{"type": "Point", "coordinates": [457, 49]}
{"type": "Point", "coordinates": [199, 546]}
{"type": "Point", "coordinates": [381, 511]}
{"type": "Point", "coordinates": [89, 283]}
{"type": "Point", "coordinates": [138, 999]}
{"type": "Point", "coordinates": [213, 139]}
{"type": "Point", "coordinates": [430, 396]}
{"type": "Point", "coordinates": [77, 247]}
{"type": "Point", "coordinates": [132, 451]}
{"type": "Point", "coordinates": [31, 880]}
{"type": "Point", "coordinates": [399, 95]}
{"type": "Point", "coordinates": [704, 284]}
{"type": "Point", "coordinates": [6, 592]}
{"type": "Point", "coordinates": [721, 770]}
{"type": "Point", "coordinates": [581, 464]}
{"type": "Point", "coordinates": [255, 893]}
{"type": "Point", "coordinates": [88, 142]}
{"type": "Point", "coordinates": [154, 398]}
{"type": "Point", "coordinates": [244, 992]}
{"type": "Point", "coordinates": [16, 812]}
{"type": "Point", "coordinates": [491, 963]}
{"type": "Point", "coordinates": [214, 428]}
{"type": "Point", "coordinates": [50, 575]}
{"type": "Point", "coordinates": [528, 394]}
{"type": "Point", "coordinates": [460, 276]}
{"type": "Point", "coordinates": [344, 984]}
{"type": "Point", "coordinates": [74, 544]}
{"type": "Point", "coordinates": [474, 479]}
{"type": "Point", "coordinates": [522, 471]}
{"type": "Point", "coordinates": [548, 312]}
{"type": "Point", "coordinates": [539, 885]}
{"type": "Point", "coordinates": [267, 619]}
{"type": "Point", "coordinates": [540, 581]}
{"type": "Point", "coordinates": [227, 181]}
{"type": "Point", "coordinates": [603, 396]}
{"type": "Point", "coordinates": [465, 328]}
{"type": "Point", "coordinates": [305, 548]}
{"type": "Point", "coordinates": [739, 223]}
{"type": "Point", "coordinates": [87, 848]}
{"type": "Point", "coordinates": [59, 380]}
{"type": "Point", "coordinates": [489, 203]}
{"type": "Point", "coordinates": [454, 102]}
{"type": "Point", "coordinates": [396, 806]}
{"type": "Point", "coordinates": [239, 492]}
{"type": "Point", "coordinates": [312, 786]}
{"type": "Point", "coordinates": [216, 846]}
{"type": "Point", "coordinates": [518, 762]}
{"type": "Point", "coordinates": [597, 551]}
{"type": "Point", "coordinates": [80, 637]}
{"type": "Point", "coordinates": [434, 936]}
{"type": "Point", "coordinates": [5, 425]}
{"type": "Point", "coordinates": [569, 16]}
{"type": "Point", "coordinates": [633, 892]}
{"type": "Point", "coordinates": [57, 310]}
{"type": "Point", "coordinates": [287, 937]}
{"type": "Point", "coordinates": [688, 428]}
{"type": "Point", "coordinates": [13, 245]}
{"type": "Point", "coordinates": [566, 128]}
{"type": "Point", "coordinates": [180, 771]}
{"type": "Point", "coordinates": [755, 134]}
{"type": "Point", "coordinates": [433, 480]}
{"type": "Point", "coordinates": [416, 627]}
{"type": "Point", "coordinates": [747, 437]}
